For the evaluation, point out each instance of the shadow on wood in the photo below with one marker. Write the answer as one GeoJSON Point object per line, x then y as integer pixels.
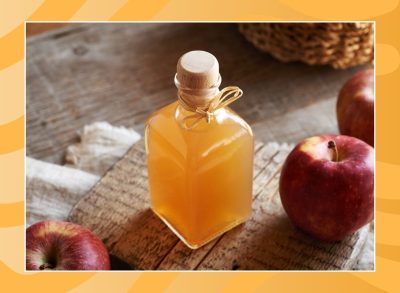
{"type": "Point", "coordinates": [144, 227]}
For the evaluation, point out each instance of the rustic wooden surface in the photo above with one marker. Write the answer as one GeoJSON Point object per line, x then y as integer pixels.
{"type": "Point", "coordinates": [121, 73]}
{"type": "Point", "coordinates": [35, 28]}
{"type": "Point", "coordinates": [117, 210]}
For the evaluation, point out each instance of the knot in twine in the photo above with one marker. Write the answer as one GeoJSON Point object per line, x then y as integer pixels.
{"type": "Point", "coordinates": [224, 97]}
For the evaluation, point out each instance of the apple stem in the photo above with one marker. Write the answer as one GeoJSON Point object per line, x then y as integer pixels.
{"type": "Point", "coordinates": [46, 266]}
{"type": "Point", "coordinates": [332, 145]}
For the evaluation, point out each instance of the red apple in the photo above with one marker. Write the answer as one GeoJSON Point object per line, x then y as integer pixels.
{"type": "Point", "coordinates": [327, 186]}
{"type": "Point", "coordinates": [57, 245]}
{"type": "Point", "coordinates": [355, 107]}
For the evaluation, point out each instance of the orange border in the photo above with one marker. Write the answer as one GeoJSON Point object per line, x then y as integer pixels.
{"type": "Point", "coordinates": [387, 17]}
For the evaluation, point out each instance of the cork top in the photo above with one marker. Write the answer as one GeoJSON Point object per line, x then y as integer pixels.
{"type": "Point", "coordinates": [197, 79]}
{"type": "Point", "coordinates": [197, 70]}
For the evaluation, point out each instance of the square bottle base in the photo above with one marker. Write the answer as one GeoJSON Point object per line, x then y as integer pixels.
{"type": "Point", "coordinates": [209, 239]}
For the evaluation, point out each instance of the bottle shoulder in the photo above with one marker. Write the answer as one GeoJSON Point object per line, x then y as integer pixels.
{"type": "Point", "coordinates": [224, 121]}
{"type": "Point", "coordinates": [237, 119]}
{"type": "Point", "coordinates": [226, 131]}
{"type": "Point", "coordinates": [166, 111]}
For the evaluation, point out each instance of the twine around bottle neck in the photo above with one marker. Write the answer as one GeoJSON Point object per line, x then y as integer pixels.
{"type": "Point", "coordinates": [204, 107]}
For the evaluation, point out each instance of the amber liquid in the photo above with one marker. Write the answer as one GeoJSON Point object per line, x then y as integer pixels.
{"type": "Point", "coordinates": [200, 178]}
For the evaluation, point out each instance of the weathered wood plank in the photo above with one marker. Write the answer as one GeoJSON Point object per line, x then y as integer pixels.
{"type": "Point", "coordinates": [117, 210]}
{"type": "Point", "coordinates": [34, 28]}
{"type": "Point", "coordinates": [121, 73]}
{"type": "Point", "coordinates": [268, 241]}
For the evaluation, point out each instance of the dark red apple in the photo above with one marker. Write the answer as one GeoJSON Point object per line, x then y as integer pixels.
{"type": "Point", "coordinates": [57, 245]}
{"type": "Point", "coordinates": [327, 186]}
{"type": "Point", "coordinates": [355, 107]}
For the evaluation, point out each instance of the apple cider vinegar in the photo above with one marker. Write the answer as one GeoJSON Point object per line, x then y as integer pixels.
{"type": "Point", "coordinates": [200, 155]}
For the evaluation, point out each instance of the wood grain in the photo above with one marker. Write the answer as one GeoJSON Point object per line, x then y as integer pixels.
{"type": "Point", "coordinates": [34, 28]}
{"type": "Point", "coordinates": [117, 210]}
{"type": "Point", "coordinates": [121, 73]}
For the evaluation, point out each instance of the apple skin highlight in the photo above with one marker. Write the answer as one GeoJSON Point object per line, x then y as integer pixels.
{"type": "Point", "coordinates": [329, 199]}
{"type": "Point", "coordinates": [57, 245]}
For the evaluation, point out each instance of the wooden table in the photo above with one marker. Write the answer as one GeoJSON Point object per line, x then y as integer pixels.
{"type": "Point", "coordinates": [121, 73]}
{"type": "Point", "coordinates": [117, 209]}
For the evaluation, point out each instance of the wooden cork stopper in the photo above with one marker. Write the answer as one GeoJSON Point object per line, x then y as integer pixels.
{"type": "Point", "coordinates": [197, 70]}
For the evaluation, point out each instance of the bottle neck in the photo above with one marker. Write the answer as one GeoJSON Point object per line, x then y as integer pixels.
{"type": "Point", "coordinates": [190, 121]}
{"type": "Point", "coordinates": [193, 98]}
{"type": "Point", "coordinates": [190, 101]}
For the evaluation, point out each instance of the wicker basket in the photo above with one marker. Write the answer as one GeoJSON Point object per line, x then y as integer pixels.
{"type": "Point", "coordinates": [340, 45]}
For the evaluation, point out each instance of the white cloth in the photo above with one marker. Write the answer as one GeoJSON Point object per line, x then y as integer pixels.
{"type": "Point", "coordinates": [52, 190]}
{"type": "Point", "coordinates": [101, 146]}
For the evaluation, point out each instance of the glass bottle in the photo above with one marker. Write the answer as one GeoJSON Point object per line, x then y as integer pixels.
{"type": "Point", "coordinates": [200, 155]}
